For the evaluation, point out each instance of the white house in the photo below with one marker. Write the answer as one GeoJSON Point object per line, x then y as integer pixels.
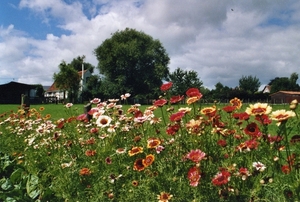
{"type": "Point", "coordinates": [55, 94]}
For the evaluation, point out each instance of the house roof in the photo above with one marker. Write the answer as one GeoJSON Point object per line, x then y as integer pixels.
{"type": "Point", "coordinates": [287, 92]}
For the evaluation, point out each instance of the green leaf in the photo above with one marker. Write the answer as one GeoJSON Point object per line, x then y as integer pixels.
{"type": "Point", "coordinates": [32, 186]}
{"type": "Point", "coordinates": [6, 185]}
{"type": "Point", "coordinates": [16, 176]}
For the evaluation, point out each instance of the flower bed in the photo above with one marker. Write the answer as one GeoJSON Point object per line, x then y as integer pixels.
{"type": "Point", "coordinates": [188, 154]}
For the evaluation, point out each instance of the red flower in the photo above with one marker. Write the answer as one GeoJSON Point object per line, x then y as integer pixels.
{"type": "Point", "coordinates": [171, 130]}
{"type": "Point", "coordinates": [222, 143]}
{"type": "Point", "coordinates": [177, 116]}
{"type": "Point", "coordinates": [194, 176]}
{"type": "Point", "coordinates": [138, 165]}
{"type": "Point", "coordinates": [241, 116]}
{"type": "Point", "coordinates": [160, 102]}
{"type": "Point", "coordinates": [221, 178]}
{"type": "Point", "coordinates": [166, 86]}
{"type": "Point", "coordinates": [193, 92]}
{"type": "Point", "coordinates": [176, 99]}
{"type": "Point", "coordinates": [263, 119]}
{"type": "Point", "coordinates": [229, 109]}
{"type": "Point", "coordinates": [252, 130]}
{"type": "Point", "coordinates": [286, 169]}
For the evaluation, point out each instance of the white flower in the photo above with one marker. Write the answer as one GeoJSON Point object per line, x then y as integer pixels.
{"type": "Point", "coordinates": [259, 166]}
{"type": "Point", "coordinates": [103, 121]}
{"type": "Point", "coordinates": [68, 105]}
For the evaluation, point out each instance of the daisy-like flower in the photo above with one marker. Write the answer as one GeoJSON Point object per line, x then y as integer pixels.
{"type": "Point", "coordinates": [42, 108]}
{"type": "Point", "coordinates": [90, 153]}
{"type": "Point", "coordinates": [236, 102]}
{"type": "Point", "coordinates": [194, 176]}
{"type": "Point", "coordinates": [221, 178]}
{"type": "Point", "coordinates": [192, 100]}
{"type": "Point", "coordinates": [166, 86]}
{"type": "Point", "coordinates": [120, 151]}
{"type": "Point", "coordinates": [282, 115]}
{"type": "Point", "coordinates": [160, 102]}
{"type": "Point", "coordinates": [194, 126]}
{"type": "Point", "coordinates": [148, 160]}
{"type": "Point", "coordinates": [259, 166]}
{"type": "Point", "coordinates": [85, 172]}
{"type": "Point", "coordinates": [196, 155]}
{"type": "Point", "coordinates": [258, 109]}
{"type": "Point", "coordinates": [229, 109]}
{"type": "Point", "coordinates": [176, 99]}
{"type": "Point", "coordinates": [185, 109]}
{"type": "Point", "coordinates": [68, 105]}
{"type": "Point", "coordinates": [208, 111]}
{"type": "Point", "coordinates": [193, 92]}
{"type": "Point", "coordinates": [244, 173]}
{"type": "Point", "coordinates": [135, 150]}
{"type": "Point", "coordinates": [135, 183]}
{"type": "Point", "coordinates": [164, 197]}
{"type": "Point", "coordinates": [252, 129]}
{"type": "Point", "coordinates": [177, 116]}
{"type": "Point", "coordinates": [153, 142]}
{"type": "Point", "coordinates": [138, 165]}
{"type": "Point", "coordinates": [95, 101]}
{"type": "Point", "coordinates": [103, 121]}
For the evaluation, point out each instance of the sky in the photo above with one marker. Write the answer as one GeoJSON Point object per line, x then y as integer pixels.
{"type": "Point", "coordinates": [222, 40]}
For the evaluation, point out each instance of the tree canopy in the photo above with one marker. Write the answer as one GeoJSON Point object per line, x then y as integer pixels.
{"type": "Point", "coordinates": [183, 80]}
{"type": "Point", "coordinates": [284, 83]}
{"type": "Point", "coordinates": [67, 79]}
{"type": "Point", "coordinates": [249, 84]}
{"type": "Point", "coordinates": [133, 62]}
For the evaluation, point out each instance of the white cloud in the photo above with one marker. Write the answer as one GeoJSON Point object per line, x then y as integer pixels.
{"type": "Point", "coordinates": [221, 40]}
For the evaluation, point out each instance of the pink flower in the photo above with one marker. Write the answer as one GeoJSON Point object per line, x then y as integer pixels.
{"type": "Point", "coordinates": [95, 101]}
{"type": "Point", "coordinates": [194, 176]}
{"type": "Point", "coordinates": [196, 155]}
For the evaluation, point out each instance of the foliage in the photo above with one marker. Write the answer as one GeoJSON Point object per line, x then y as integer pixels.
{"type": "Point", "coordinates": [183, 80]}
{"type": "Point", "coordinates": [249, 84]}
{"type": "Point", "coordinates": [67, 79]}
{"type": "Point", "coordinates": [39, 91]}
{"type": "Point", "coordinates": [134, 62]}
{"type": "Point", "coordinates": [284, 83]}
{"type": "Point", "coordinates": [76, 63]}
{"type": "Point", "coordinates": [191, 153]}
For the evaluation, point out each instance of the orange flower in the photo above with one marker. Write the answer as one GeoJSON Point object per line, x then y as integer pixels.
{"type": "Point", "coordinates": [164, 197]}
{"type": "Point", "coordinates": [153, 143]}
{"type": "Point", "coordinates": [192, 100]}
{"type": "Point", "coordinates": [138, 165]}
{"type": "Point", "coordinates": [208, 111]}
{"type": "Point", "coordinates": [236, 103]}
{"type": "Point", "coordinates": [148, 160]}
{"type": "Point", "coordinates": [135, 150]}
{"type": "Point", "coordinates": [85, 172]}
{"type": "Point", "coordinates": [42, 108]}
{"type": "Point", "coordinates": [90, 153]}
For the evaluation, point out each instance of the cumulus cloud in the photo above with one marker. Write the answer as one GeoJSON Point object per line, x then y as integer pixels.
{"type": "Point", "coordinates": [221, 40]}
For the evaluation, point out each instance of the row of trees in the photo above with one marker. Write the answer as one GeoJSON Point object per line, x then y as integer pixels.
{"type": "Point", "coordinates": [131, 61]}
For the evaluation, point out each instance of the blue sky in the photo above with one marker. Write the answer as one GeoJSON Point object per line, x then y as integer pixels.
{"type": "Point", "coordinates": [221, 40]}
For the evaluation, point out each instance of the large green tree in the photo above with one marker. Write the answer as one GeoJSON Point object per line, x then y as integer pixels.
{"type": "Point", "coordinates": [249, 84]}
{"type": "Point", "coordinates": [132, 62]}
{"type": "Point", "coordinates": [183, 80]}
{"type": "Point", "coordinates": [79, 61]}
{"type": "Point", "coordinates": [284, 83]}
{"type": "Point", "coordinates": [67, 79]}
